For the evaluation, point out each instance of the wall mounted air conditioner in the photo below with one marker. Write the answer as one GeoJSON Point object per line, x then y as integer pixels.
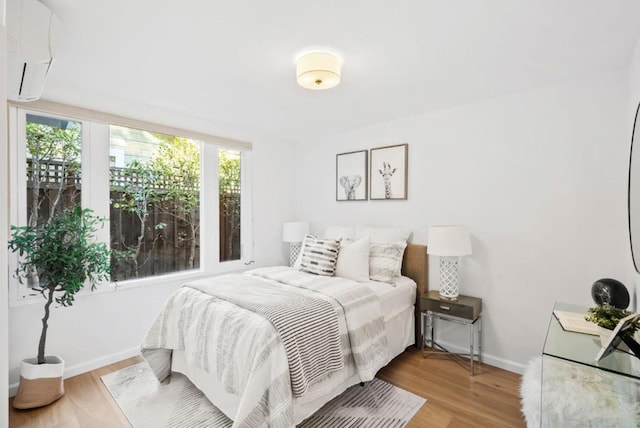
{"type": "Point", "coordinates": [33, 34]}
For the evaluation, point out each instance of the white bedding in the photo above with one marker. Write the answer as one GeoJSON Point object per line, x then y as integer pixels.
{"type": "Point", "coordinates": [394, 299]}
{"type": "Point", "coordinates": [400, 335]}
{"type": "Point", "coordinates": [397, 304]}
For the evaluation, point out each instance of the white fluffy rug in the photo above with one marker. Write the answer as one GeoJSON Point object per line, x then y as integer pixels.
{"type": "Point", "coordinates": [146, 403]}
{"type": "Point", "coordinates": [578, 396]}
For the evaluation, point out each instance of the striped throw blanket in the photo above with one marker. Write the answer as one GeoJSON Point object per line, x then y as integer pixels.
{"type": "Point", "coordinates": [312, 351]}
{"type": "Point", "coordinates": [244, 353]}
{"type": "Point", "coordinates": [362, 312]}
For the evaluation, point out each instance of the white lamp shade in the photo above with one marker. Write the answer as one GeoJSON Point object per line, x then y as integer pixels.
{"type": "Point", "coordinates": [451, 240]}
{"type": "Point", "coordinates": [295, 231]}
{"type": "Point", "coordinates": [318, 70]}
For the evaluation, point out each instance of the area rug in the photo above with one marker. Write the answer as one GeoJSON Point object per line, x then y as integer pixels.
{"type": "Point", "coordinates": [179, 404]}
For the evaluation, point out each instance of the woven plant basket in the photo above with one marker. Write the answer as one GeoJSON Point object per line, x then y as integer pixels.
{"type": "Point", "coordinates": [40, 384]}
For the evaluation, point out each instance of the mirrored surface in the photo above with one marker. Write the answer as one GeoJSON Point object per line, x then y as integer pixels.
{"type": "Point", "coordinates": [582, 348]}
{"type": "Point", "coordinates": [576, 390]}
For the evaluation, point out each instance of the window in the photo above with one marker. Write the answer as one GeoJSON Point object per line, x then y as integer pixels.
{"type": "Point", "coordinates": [155, 204]}
{"type": "Point", "coordinates": [53, 166]}
{"type": "Point", "coordinates": [164, 214]}
{"type": "Point", "coordinates": [229, 197]}
{"type": "Point", "coordinates": [51, 171]}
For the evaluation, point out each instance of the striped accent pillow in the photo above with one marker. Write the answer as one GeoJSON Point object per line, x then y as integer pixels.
{"type": "Point", "coordinates": [385, 261]}
{"type": "Point", "coordinates": [319, 256]}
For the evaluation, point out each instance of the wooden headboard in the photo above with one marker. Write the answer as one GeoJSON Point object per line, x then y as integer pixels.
{"type": "Point", "coordinates": [415, 265]}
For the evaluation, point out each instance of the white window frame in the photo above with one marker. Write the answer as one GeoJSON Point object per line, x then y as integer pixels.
{"type": "Point", "coordinates": [95, 176]}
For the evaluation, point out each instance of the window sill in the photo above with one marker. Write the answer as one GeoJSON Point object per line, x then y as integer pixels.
{"type": "Point", "coordinates": [175, 279]}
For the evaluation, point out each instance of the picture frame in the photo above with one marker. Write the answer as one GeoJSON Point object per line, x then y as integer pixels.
{"type": "Point", "coordinates": [617, 336]}
{"type": "Point", "coordinates": [388, 170]}
{"type": "Point", "coordinates": [351, 176]}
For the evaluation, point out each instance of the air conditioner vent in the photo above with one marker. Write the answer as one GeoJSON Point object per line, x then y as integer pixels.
{"type": "Point", "coordinates": [33, 33]}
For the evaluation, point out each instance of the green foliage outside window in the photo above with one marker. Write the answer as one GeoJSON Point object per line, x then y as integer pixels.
{"type": "Point", "coordinates": [160, 194]}
{"type": "Point", "coordinates": [52, 147]}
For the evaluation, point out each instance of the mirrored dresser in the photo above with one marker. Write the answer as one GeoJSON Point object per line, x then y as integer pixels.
{"type": "Point", "coordinates": [578, 391]}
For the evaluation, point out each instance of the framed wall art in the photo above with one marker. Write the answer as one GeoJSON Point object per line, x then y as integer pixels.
{"type": "Point", "coordinates": [351, 176]}
{"type": "Point", "coordinates": [388, 172]}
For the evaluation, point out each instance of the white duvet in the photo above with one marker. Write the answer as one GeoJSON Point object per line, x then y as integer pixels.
{"type": "Point", "coordinates": [242, 351]}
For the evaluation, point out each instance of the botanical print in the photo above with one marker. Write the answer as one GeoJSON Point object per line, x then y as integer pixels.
{"type": "Point", "coordinates": [389, 172]}
{"type": "Point", "coordinates": [351, 176]}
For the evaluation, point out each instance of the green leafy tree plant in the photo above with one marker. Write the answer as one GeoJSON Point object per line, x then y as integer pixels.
{"type": "Point", "coordinates": [47, 144]}
{"type": "Point", "coordinates": [229, 191]}
{"type": "Point", "coordinates": [176, 165]}
{"type": "Point", "coordinates": [62, 254]}
{"type": "Point", "coordinates": [137, 196]}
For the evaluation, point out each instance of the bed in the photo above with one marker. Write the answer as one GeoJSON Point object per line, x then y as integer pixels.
{"type": "Point", "coordinates": [239, 361]}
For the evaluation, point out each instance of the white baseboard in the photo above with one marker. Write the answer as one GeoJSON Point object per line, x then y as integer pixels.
{"type": "Point", "coordinates": [88, 366]}
{"type": "Point", "coordinates": [489, 359]}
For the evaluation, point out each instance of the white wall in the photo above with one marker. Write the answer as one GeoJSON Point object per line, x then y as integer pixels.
{"type": "Point", "coordinates": [634, 83]}
{"type": "Point", "coordinates": [634, 99]}
{"type": "Point", "coordinates": [4, 201]}
{"type": "Point", "coordinates": [540, 179]}
{"type": "Point", "coordinates": [103, 328]}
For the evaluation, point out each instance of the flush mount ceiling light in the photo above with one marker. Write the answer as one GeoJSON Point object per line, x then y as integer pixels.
{"type": "Point", "coordinates": [318, 70]}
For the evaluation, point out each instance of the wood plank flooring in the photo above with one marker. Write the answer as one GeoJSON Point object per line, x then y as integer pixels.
{"type": "Point", "coordinates": [491, 398]}
{"type": "Point", "coordinates": [454, 399]}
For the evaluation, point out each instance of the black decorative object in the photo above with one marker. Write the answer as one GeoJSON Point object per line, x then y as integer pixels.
{"type": "Point", "coordinates": [610, 291]}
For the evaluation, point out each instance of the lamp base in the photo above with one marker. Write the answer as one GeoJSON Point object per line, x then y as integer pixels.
{"type": "Point", "coordinates": [294, 251]}
{"type": "Point", "coordinates": [448, 299]}
{"type": "Point", "coordinates": [449, 278]}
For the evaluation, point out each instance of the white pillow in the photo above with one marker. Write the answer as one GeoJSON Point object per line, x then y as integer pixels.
{"type": "Point", "coordinates": [383, 234]}
{"type": "Point", "coordinates": [385, 261]}
{"type": "Point", "coordinates": [340, 232]}
{"type": "Point", "coordinates": [353, 260]}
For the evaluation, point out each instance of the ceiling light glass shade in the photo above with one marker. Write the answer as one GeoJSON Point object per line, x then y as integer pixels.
{"type": "Point", "coordinates": [318, 70]}
{"type": "Point", "coordinates": [449, 241]}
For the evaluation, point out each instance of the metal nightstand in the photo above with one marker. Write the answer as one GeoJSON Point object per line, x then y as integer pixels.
{"type": "Point", "coordinates": [466, 310]}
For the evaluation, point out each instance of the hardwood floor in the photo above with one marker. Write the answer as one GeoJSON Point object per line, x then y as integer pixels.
{"type": "Point", "coordinates": [491, 398]}
{"type": "Point", "coordinates": [454, 399]}
{"type": "Point", "coordinates": [85, 404]}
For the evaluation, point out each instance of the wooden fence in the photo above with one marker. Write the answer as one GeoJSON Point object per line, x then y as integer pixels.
{"type": "Point", "coordinates": [165, 243]}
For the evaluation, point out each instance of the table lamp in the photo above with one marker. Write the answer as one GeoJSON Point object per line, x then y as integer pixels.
{"type": "Point", "coordinates": [294, 233]}
{"type": "Point", "coordinates": [449, 242]}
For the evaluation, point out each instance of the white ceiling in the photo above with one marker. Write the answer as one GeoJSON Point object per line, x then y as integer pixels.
{"type": "Point", "coordinates": [232, 62]}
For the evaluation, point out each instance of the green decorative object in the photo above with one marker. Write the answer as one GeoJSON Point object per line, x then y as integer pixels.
{"type": "Point", "coordinates": [607, 316]}
{"type": "Point", "coordinates": [59, 257]}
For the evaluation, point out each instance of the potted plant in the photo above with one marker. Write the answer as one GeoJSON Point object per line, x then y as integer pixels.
{"type": "Point", "coordinates": [607, 318]}
{"type": "Point", "coordinates": [60, 257]}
